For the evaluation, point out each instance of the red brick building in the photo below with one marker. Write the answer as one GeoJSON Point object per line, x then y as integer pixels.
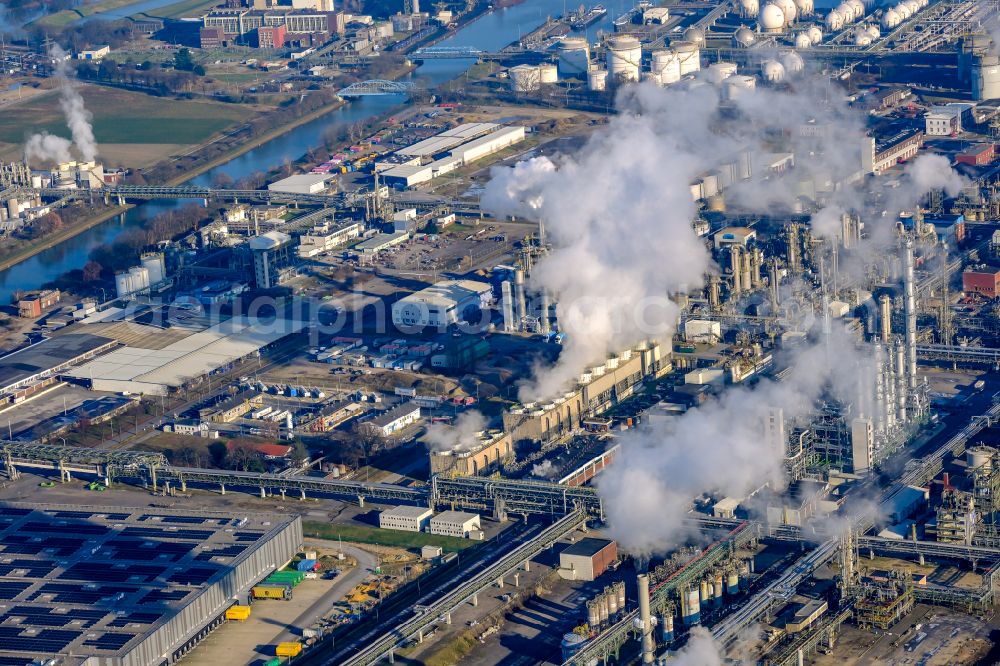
{"type": "Point", "coordinates": [33, 305]}
{"type": "Point", "coordinates": [984, 281]}
{"type": "Point", "coordinates": [271, 37]}
{"type": "Point", "coordinates": [978, 155]}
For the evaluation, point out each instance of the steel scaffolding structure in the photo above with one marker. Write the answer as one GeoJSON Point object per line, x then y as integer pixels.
{"type": "Point", "coordinates": [120, 462]}
{"type": "Point", "coordinates": [824, 631]}
{"type": "Point", "coordinates": [508, 496]}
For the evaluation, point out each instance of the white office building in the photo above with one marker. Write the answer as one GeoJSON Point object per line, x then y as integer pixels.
{"type": "Point", "coordinates": [455, 524]}
{"type": "Point", "coordinates": [405, 518]}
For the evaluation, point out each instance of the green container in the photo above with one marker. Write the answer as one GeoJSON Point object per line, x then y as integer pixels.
{"type": "Point", "coordinates": [274, 662]}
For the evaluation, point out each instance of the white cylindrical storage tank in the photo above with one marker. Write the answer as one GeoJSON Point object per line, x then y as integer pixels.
{"type": "Point", "coordinates": [979, 456]}
{"type": "Point", "coordinates": [651, 77]}
{"type": "Point", "coordinates": [788, 8]}
{"type": "Point", "coordinates": [624, 58]}
{"type": "Point", "coordinates": [693, 607]}
{"type": "Point", "coordinates": [802, 41]}
{"type": "Point", "coordinates": [805, 8]}
{"type": "Point", "coordinates": [772, 71]}
{"type": "Point", "coordinates": [667, 66]}
{"type": "Point", "coordinates": [771, 18]}
{"type": "Point", "coordinates": [720, 71]}
{"type": "Point", "coordinates": [523, 78]}
{"type": "Point", "coordinates": [834, 20]}
{"type": "Point", "coordinates": [153, 262]}
{"type": "Point", "coordinates": [749, 8]}
{"type": "Point", "coordinates": [744, 37]}
{"type": "Point", "coordinates": [689, 56]}
{"type": "Point", "coordinates": [548, 73]}
{"type": "Point", "coordinates": [737, 85]}
{"type": "Point", "coordinates": [815, 34]}
{"type": "Point", "coordinates": [695, 35]}
{"type": "Point", "coordinates": [140, 277]}
{"type": "Point", "coordinates": [792, 62]}
{"type": "Point", "coordinates": [574, 56]}
{"type": "Point", "coordinates": [985, 77]}
{"type": "Point", "coordinates": [597, 80]}
{"type": "Point", "coordinates": [123, 284]}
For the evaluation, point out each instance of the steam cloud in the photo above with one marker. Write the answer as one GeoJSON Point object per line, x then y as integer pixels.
{"type": "Point", "coordinates": [700, 650]}
{"type": "Point", "coordinates": [459, 437]}
{"type": "Point", "coordinates": [46, 147]}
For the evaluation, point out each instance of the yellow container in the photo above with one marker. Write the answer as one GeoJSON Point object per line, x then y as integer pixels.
{"type": "Point", "coordinates": [270, 592]}
{"type": "Point", "coordinates": [288, 649]}
{"type": "Point", "coordinates": [237, 613]}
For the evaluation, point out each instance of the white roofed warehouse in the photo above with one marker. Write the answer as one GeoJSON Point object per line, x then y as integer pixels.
{"type": "Point", "coordinates": [440, 305]}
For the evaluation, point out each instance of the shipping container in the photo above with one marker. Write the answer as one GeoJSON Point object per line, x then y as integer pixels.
{"type": "Point", "coordinates": [306, 565]}
{"type": "Point", "coordinates": [274, 662]}
{"type": "Point", "coordinates": [271, 591]}
{"type": "Point", "coordinates": [238, 613]}
{"type": "Point", "coordinates": [288, 649]}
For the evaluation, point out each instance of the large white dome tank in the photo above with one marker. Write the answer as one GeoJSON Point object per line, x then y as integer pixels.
{"type": "Point", "coordinates": [689, 56]}
{"type": "Point", "coordinates": [802, 40]}
{"type": "Point", "coordinates": [771, 18]}
{"type": "Point", "coordinates": [805, 7]}
{"type": "Point", "coordinates": [666, 64]}
{"type": "Point", "coordinates": [815, 34]}
{"type": "Point", "coordinates": [890, 19]}
{"type": "Point", "coordinates": [834, 20]}
{"type": "Point", "coordinates": [788, 8]}
{"type": "Point", "coordinates": [749, 8]}
{"type": "Point", "coordinates": [574, 56]}
{"type": "Point", "coordinates": [772, 71]}
{"type": "Point", "coordinates": [744, 37]}
{"type": "Point", "coordinates": [695, 35]}
{"type": "Point", "coordinates": [792, 62]}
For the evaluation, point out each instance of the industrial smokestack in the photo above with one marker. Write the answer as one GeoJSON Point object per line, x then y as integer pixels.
{"type": "Point", "coordinates": [736, 267]}
{"type": "Point", "coordinates": [519, 298]}
{"type": "Point", "coordinates": [885, 317]}
{"type": "Point", "coordinates": [792, 247]}
{"type": "Point", "coordinates": [543, 315]}
{"type": "Point", "coordinates": [880, 416]}
{"type": "Point", "coordinates": [756, 259]}
{"type": "Point", "coordinates": [646, 621]}
{"type": "Point", "coordinates": [507, 302]}
{"type": "Point", "coordinates": [901, 382]}
{"type": "Point", "coordinates": [911, 316]}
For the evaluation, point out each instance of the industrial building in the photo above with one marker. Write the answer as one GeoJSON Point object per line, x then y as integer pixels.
{"type": "Point", "coordinates": [405, 518]}
{"type": "Point", "coordinates": [441, 304]}
{"type": "Point", "coordinates": [42, 361]}
{"type": "Point", "coordinates": [303, 183]}
{"type": "Point", "coordinates": [492, 449]}
{"type": "Point", "coordinates": [588, 558]}
{"type": "Point", "coordinates": [982, 280]}
{"type": "Point", "coordinates": [455, 524]}
{"type": "Point", "coordinates": [184, 356]}
{"type": "Point", "coordinates": [381, 242]}
{"type": "Point", "coordinates": [272, 258]}
{"type": "Point", "coordinates": [127, 587]}
{"type": "Point", "coordinates": [327, 236]}
{"type": "Point", "coordinates": [393, 420]}
{"type": "Point", "coordinates": [448, 151]}
{"type": "Point", "coordinates": [32, 305]}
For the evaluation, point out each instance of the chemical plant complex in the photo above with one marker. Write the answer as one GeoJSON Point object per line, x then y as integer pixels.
{"type": "Point", "coordinates": [665, 334]}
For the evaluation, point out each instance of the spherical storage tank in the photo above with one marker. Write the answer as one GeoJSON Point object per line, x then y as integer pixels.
{"type": "Point", "coordinates": [861, 37]}
{"type": "Point", "coordinates": [804, 7]}
{"type": "Point", "coordinates": [744, 37]}
{"type": "Point", "coordinates": [574, 56]}
{"type": "Point", "coordinates": [666, 64]}
{"type": "Point", "coordinates": [858, 7]}
{"type": "Point", "coordinates": [834, 20]}
{"type": "Point", "coordinates": [792, 62]}
{"type": "Point", "coordinates": [597, 80]}
{"type": "Point", "coordinates": [802, 41]}
{"type": "Point", "coordinates": [873, 31]}
{"type": "Point", "coordinates": [771, 18]}
{"type": "Point", "coordinates": [815, 34]}
{"type": "Point", "coordinates": [624, 58]}
{"type": "Point", "coordinates": [548, 73]}
{"type": "Point", "coordinates": [749, 8]}
{"type": "Point", "coordinates": [788, 8]}
{"type": "Point", "coordinates": [772, 71]}
{"type": "Point", "coordinates": [524, 78]}
{"type": "Point", "coordinates": [689, 56]}
{"type": "Point", "coordinates": [890, 19]}
{"type": "Point", "coordinates": [904, 11]}
{"type": "Point", "coordinates": [695, 35]}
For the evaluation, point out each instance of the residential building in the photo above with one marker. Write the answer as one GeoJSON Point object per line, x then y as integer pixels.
{"type": "Point", "coordinates": [455, 523]}
{"type": "Point", "coordinates": [405, 518]}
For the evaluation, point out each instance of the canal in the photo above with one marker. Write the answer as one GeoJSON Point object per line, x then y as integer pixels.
{"type": "Point", "coordinates": [490, 32]}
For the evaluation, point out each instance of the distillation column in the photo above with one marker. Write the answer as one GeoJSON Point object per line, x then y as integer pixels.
{"type": "Point", "coordinates": [911, 317]}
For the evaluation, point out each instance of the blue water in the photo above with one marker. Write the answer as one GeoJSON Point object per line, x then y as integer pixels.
{"type": "Point", "coordinates": [490, 32]}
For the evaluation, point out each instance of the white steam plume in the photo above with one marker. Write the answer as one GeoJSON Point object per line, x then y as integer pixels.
{"type": "Point", "coordinates": [700, 650]}
{"type": "Point", "coordinates": [459, 437]}
{"type": "Point", "coordinates": [719, 446]}
{"type": "Point", "coordinates": [43, 146]}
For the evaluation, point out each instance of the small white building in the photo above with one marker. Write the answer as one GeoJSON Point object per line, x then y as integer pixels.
{"type": "Point", "coordinates": [702, 330]}
{"type": "Point", "coordinates": [405, 518]}
{"type": "Point", "coordinates": [440, 305]}
{"type": "Point", "coordinates": [455, 524]}
{"type": "Point", "coordinates": [325, 237]}
{"type": "Point", "coordinates": [941, 124]}
{"type": "Point", "coordinates": [97, 54]}
{"type": "Point", "coordinates": [303, 183]}
{"type": "Point", "coordinates": [395, 419]}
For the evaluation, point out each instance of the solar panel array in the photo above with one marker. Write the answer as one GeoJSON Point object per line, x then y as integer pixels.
{"type": "Point", "coordinates": [95, 582]}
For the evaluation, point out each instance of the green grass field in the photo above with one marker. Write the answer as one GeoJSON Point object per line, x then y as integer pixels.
{"type": "Point", "coordinates": [181, 9]}
{"type": "Point", "coordinates": [124, 117]}
{"type": "Point", "coordinates": [364, 534]}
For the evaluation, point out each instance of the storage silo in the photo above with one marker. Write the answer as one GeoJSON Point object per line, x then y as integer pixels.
{"type": "Point", "coordinates": [597, 80]}
{"type": "Point", "coordinates": [624, 59]}
{"type": "Point", "coordinates": [524, 78]}
{"type": "Point", "coordinates": [689, 56]}
{"type": "Point", "coordinates": [593, 614]}
{"type": "Point", "coordinates": [666, 64]}
{"type": "Point", "coordinates": [574, 57]}
{"type": "Point", "coordinates": [571, 644]}
{"type": "Point", "coordinates": [717, 589]}
{"type": "Point", "coordinates": [153, 262]}
{"type": "Point", "coordinates": [720, 71]}
{"type": "Point", "coordinates": [733, 583]}
{"type": "Point", "coordinates": [771, 18]}
{"type": "Point", "coordinates": [612, 597]}
{"type": "Point", "coordinates": [693, 608]}
{"type": "Point", "coordinates": [620, 591]}
{"type": "Point", "coordinates": [667, 628]}
{"type": "Point", "coordinates": [548, 73]}
{"type": "Point", "coordinates": [979, 457]}
{"type": "Point", "coordinates": [985, 77]}
{"type": "Point", "coordinates": [704, 596]}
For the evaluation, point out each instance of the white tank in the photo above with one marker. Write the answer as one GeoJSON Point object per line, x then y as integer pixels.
{"type": "Point", "coordinates": [890, 19]}
{"type": "Point", "coordinates": [873, 31]}
{"type": "Point", "coordinates": [597, 81]}
{"type": "Point", "coordinates": [904, 11]}
{"type": "Point", "coordinates": [667, 66]}
{"type": "Point", "coordinates": [861, 37]}
{"type": "Point", "coordinates": [524, 78]}
{"type": "Point", "coordinates": [804, 7]}
{"type": "Point", "coordinates": [153, 263]}
{"type": "Point", "coordinates": [914, 6]}
{"type": "Point", "coordinates": [985, 77]}
{"type": "Point", "coordinates": [689, 56]}
{"type": "Point", "coordinates": [979, 456]}
{"type": "Point", "coordinates": [624, 58]}
{"type": "Point", "coordinates": [792, 62]}
{"type": "Point", "coordinates": [771, 18]}
{"type": "Point", "coordinates": [744, 37]}
{"type": "Point", "coordinates": [738, 85]}
{"type": "Point", "coordinates": [651, 77]}
{"type": "Point", "coordinates": [802, 40]}
{"type": "Point", "coordinates": [720, 71]}
{"type": "Point", "coordinates": [859, 8]}
{"type": "Point", "coordinates": [772, 71]}
{"type": "Point", "coordinates": [548, 73]}
{"type": "Point", "coordinates": [834, 20]}
{"type": "Point", "coordinates": [695, 35]}
{"type": "Point", "coordinates": [788, 8]}
{"type": "Point", "coordinates": [815, 34]}
{"type": "Point", "coordinates": [749, 8]}
{"type": "Point", "coordinates": [574, 56]}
